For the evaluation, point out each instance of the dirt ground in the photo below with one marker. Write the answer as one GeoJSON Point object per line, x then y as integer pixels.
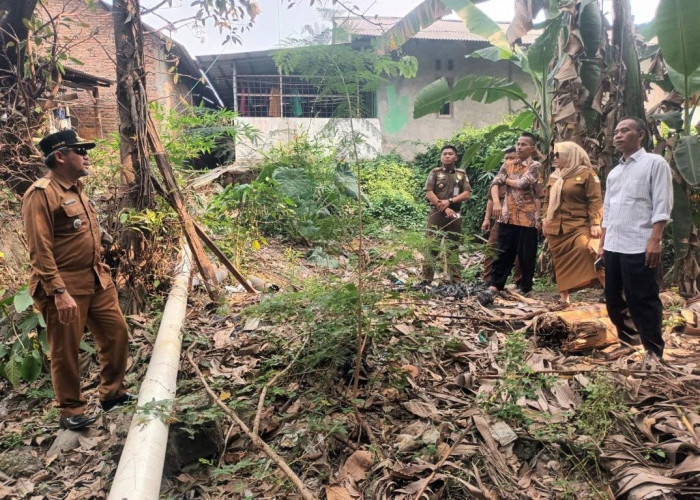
{"type": "Point", "coordinates": [450, 402]}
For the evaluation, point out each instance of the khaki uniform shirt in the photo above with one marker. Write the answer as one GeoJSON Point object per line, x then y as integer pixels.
{"type": "Point", "coordinates": [447, 183]}
{"type": "Point", "coordinates": [581, 204]}
{"type": "Point", "coordinates": [63, 235]}
{"type": "Point", "coordinates": [519, 206]}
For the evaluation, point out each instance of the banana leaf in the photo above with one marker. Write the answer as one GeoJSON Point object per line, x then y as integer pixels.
{"type": "Point", "coordinates": [647, 30]}
{"type": "Point", "coordinates": [432, 98]}
{"type": "Point", "coordinates": [678, 81]}
{"type": "Point", "coordinates": [687, 156]}
{"type": "Point", "coordinates": [494, 161]}
{"type": "Point", "coordinates": [542, 51]}
{"type": "Point", "coordinates": [523, 121]}
{"type": "Point", "coordinates": [679, 35]}
{"type": "Point", "coordinates": [495, 54]}
{"type": "Point", "coordinates": [479, 23]}
{"type": "Point", "coordinates": [591, 76]}
{"type": "Point", "coordinates": [674, 119]}
{"type": "Point", "coordinates": [682, 223]}
{"type": "Point", "coordinates": [424, 15]}
{"type": "Point", "coordinates": [590, 24]}
{"type": "Point", "coordinates": [486, 89]}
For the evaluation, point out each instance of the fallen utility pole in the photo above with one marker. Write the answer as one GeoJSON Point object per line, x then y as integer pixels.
{"type": "Point", "coordinates": [140, 467]}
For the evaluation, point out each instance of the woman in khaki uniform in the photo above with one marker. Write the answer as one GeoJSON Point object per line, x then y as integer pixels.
{"type": "Point", "coordinates": [573, 208]}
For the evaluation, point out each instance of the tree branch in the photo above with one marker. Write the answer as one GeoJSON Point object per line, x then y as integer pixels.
{"type": "Point", "coordinates": [305, 493]}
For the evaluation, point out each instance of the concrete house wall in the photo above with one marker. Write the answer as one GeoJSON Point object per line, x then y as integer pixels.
{"type": "Point", "coordinates": [406, 135]}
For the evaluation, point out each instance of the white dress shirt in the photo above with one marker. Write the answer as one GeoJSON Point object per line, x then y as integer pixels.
{"type": "Point", "coordinates": [639, 192]}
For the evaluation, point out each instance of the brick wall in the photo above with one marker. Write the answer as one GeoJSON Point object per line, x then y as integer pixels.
{"type": "Point", "coordinates": [89, 36]}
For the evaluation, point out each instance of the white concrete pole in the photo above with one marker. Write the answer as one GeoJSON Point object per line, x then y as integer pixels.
{"type": "Point", "coordinates": [140, 468]}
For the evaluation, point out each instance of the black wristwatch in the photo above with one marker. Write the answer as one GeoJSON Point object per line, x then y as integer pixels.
{"type": "Point", "coordinates": [450, 200]}
{"type": "Point", "coordinates": [59, 291]}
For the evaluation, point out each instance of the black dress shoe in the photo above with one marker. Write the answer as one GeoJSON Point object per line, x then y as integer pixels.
{"type": "Point", "coordinates": [76, 422]}
{"type": "Point", "coordinates": [111, 403]}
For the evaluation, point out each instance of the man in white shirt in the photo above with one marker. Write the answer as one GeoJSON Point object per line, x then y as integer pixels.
{"type": "Point", "coordinates": [637, 207]}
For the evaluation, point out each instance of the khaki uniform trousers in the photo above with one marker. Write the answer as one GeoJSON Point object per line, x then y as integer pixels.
{"type": "Point", "coordinates": [440, 226]}
{"type": "Point", "coordinates": [102, 315]}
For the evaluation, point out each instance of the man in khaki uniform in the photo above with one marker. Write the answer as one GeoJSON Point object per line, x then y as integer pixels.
{"type": "Point", "coordinates": [446, 188]}
{"type": "Point", "coordinates": [69, 284]}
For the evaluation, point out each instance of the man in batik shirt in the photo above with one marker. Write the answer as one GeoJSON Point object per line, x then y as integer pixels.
{"type": "Point", "coordinates": [517, 216]}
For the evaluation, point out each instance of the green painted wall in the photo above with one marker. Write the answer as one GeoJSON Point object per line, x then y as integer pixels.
{"type": "Point", "coordinates": [398, 111]}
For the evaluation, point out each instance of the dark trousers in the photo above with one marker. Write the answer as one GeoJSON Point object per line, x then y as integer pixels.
{"type": "Point", "coordinates": [102, 315]}
{"type": "Point", "coordinates": [439, 226]}
{"type": "Point", "coordinates": [515, 241]}
{"type": "Point", "coordinates": [626, 273]}
{"type": "Point", "coordinates": [491, 257]}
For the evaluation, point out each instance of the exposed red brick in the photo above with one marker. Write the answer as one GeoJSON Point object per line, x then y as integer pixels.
{"type": "Point", "coordinates": [88, 35]}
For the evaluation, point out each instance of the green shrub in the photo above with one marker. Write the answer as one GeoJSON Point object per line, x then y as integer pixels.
{"type": "Point", "coordinates": [20, 346]}
{"type": "Point", "coordinates": [302, 195]}
{"type": "Point", "coordinates": [394, 189]}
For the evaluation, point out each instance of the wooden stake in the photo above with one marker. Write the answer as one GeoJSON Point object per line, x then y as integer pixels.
{"type": "Point", "coordinates": [220, 255]}
{"type": "Point", "coordinates": [177, 201]}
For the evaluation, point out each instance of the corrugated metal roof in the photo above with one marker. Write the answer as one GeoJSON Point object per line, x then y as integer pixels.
{"type": "Point", "coordinates": [442, 29]}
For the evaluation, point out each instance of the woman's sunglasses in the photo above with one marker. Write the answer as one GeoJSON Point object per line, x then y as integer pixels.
{"type": "Point", "coordinates": [555, 155]}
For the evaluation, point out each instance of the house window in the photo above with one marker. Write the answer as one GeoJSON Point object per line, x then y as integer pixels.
{"type": "Point", "coordinates": [292, 96]}
{"type": "Point", "coordinates": [438, 64]}
{"type": "Point", "coordinates": [450, 65]}
{"type": "Point", "coordinates": [446, 109]}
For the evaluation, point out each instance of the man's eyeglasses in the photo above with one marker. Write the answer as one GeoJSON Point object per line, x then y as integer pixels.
{"type": "Point", "coordinates": [79, 151]}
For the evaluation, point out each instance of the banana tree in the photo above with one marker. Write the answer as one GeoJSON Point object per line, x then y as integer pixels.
{"type": "Point", "coordinates": [565, 65]}
{"type": "Point", "coordinates": [576, 86]}
{"type": "Point", "coordinates": [675, 26]}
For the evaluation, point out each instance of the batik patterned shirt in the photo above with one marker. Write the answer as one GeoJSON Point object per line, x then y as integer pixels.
{"type": "Point", "coordinates": [519, 207]}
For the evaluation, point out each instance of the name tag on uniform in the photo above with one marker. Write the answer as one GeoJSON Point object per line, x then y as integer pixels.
{"type": "Point", "coordinates": [455, 191]}
{"type": "Point", "coordinates": [69, 202]}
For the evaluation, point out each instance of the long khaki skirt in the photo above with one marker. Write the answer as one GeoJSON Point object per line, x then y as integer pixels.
{"type": "Point", "coordinates": [573, 254]}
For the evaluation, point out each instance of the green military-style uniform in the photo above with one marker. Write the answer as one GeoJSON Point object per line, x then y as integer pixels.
{"type": "Point", "coordinates": [446, 183]}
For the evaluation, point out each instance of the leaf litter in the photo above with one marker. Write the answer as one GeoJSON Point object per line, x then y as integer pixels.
{"type": "Point", "coordinates": [451, 404]}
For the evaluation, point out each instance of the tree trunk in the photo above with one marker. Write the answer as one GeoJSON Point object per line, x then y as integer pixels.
{"type": "Point", "coordinates": [132, 104]}
{"type": "Point", "coordinates": [20, 90]}
{"type": "Point", "coordinates": [12, 13]}
{"type": "Point", "coordinates": [631, 94]}
{"type": "Point", "coordinates": [136, 188]}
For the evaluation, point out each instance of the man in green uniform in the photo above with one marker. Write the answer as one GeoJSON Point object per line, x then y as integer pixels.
{"type": "Point", "coordinates": [70, 285]}
{"type": "Point", "coordinates": [446, 188]}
